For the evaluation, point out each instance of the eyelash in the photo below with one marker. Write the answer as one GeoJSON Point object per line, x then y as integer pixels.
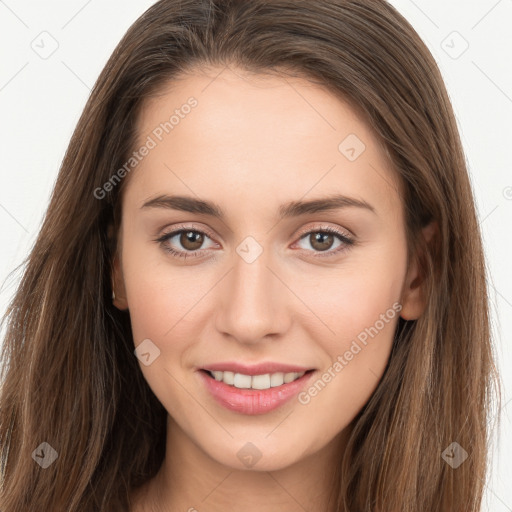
{"type": "Point", "coordinates": [346, 241]}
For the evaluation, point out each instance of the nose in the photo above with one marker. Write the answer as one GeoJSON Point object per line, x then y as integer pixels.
{"type": "Point", "coordinates": [253, 302]}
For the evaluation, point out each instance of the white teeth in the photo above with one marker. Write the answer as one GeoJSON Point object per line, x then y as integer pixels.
{"type": "Point", "coordinates": [261, 381]}
{"type": "Point", "coordinates": [265, 381]}
{"type": "Point", "coordinates": [228, 378]}
{"type": "Point", "coordinates": [242, 381]}
{"type": "Point", "coordinates": [289, 377]}
{"type": "Point", "coordinates": [217, 375]}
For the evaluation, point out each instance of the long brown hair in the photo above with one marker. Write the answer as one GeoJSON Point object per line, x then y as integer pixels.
{"type": "Point", "coordinates": [70, 378]}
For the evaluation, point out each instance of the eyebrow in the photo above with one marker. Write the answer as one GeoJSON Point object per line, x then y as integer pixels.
{"type": "Point", "coordinates": [287, 210]}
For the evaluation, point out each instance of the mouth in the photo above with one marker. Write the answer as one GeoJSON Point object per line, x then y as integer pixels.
{"type": "Point", "coordinates": [251, 392]}
{"type": "Point", "coordinates": [258, 382]}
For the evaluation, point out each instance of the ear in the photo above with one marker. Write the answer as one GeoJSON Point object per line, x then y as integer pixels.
{"type": "Point", "coordinates": [118, 287]}
{"type": "Point", "coordinates": [413, 292]}
{"type": "Point", "coordinates": [116, 276]}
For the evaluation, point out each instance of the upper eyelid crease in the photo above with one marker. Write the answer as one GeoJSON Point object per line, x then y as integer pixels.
{"type": "Point", "coordinates": [319, 229]}
{"type": "Point", "coordinates": [291, 209]}
{"type": "Point", "coordinates": [347, 241]}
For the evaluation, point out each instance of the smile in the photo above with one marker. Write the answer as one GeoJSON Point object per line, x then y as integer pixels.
{"type": "Point", "coordinates": [254, 390]}
{"type": "Point", "coordinates": [265, 381]}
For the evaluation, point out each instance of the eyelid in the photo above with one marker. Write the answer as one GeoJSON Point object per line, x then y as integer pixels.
{"type": "Point", "coordinates": [325, 227]}
{"type": "Point", "coordinates": [345, 236]}
{"type": "Point", "coordinates": [186, 226]}
{"type": "Point", "coordinates": [304, 231]}
{"type": "Point", "coordinates": [176, 230]}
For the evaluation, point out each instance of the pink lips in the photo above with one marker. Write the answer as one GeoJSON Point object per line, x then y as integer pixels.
{"type": "Point", "coordinates": [253, 401]}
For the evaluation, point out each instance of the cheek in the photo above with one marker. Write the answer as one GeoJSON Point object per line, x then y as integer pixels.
{"type": "Point", "coordinates": [352, 297]}
{"type": "Point", "coordinates": [360, 306]}
{"type": "Point", "coordinates": [152, 305]}
{"type": "Point", "coordinates": [356, 358]}
{"type": "Point", "coordinates": [159, 295]}
{"type": "Point", "coordinates": [161, 301]}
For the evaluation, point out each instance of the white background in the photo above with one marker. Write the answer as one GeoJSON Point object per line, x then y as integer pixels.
{"type": "Point", "coordinates": [41, 100]}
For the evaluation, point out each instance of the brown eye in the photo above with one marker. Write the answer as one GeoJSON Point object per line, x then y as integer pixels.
{"type": "Point", "coordinates": [185, 243]}
{"type": "Point", "coordinates": [326, 240]}
{"type": "Point", "coordinates": [191, 240]}
{"type": "Point", "coordinates": [321, 241]}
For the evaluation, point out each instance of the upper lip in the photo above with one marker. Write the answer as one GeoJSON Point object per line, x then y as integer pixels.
{"type": "Point", "coordinates": [255, 369]}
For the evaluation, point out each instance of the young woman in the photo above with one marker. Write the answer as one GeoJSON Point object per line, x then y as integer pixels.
{"type": "Point", "coordinates": [260, 282]}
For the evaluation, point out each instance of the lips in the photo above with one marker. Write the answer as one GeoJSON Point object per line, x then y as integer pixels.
{"type": "Point", "coordinates": [254, 389]}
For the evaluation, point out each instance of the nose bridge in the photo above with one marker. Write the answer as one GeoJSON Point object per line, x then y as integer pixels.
{"type": "Point", "coordinates": [251, 305]}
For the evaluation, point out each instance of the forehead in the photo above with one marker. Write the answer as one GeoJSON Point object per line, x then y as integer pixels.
{"type": "Point", "coordinates": [258, 137]}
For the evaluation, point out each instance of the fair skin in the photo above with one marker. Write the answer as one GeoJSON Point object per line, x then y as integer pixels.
{"type": "Point", "coordinates": [252, 144]}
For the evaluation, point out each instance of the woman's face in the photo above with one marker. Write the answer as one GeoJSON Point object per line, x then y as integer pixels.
{"type": "Point", "coordinates": [292, 259]}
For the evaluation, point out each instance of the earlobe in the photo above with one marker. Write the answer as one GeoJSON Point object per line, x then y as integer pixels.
{"type": "Point", "coordinates": [413, 292]}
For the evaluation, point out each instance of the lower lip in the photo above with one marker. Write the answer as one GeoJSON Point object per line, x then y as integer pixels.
{"type": "Point", "coordinates": [253, 401]}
